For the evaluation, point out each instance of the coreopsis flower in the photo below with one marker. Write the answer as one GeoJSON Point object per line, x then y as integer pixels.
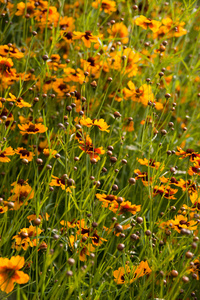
{"type": "Point", "coordinates": [119, 31]}
{"type": "Point", "coordinates": [124, 207]}
{"type": "Point", "coordinates": [183, 222]}
{"type": "Point", "coordinates": [72, 224]}
{"type": "Point", "coordinates": [151, 163]}
{"type": "Point", "coordinates": [67, 36]}
{"type": "Point", "coordinates": [171, 180]}
{"type": "Point", "coordinates": [106, 198]}
{"type": "Point", "coordinates": [195, 268]}
{"type": "Point", "coordinates": [66, 23]}
{"type": "Point", "coordinates": [49, 152]}
{"type": "Point", "coordinates": [129, 275]}
{"type": "Point", "coordinates": [3, 209]}
{"type": "Point", "coordinates": [100, 123]}
{"type": "Point", "coordinates": [92, 234]}
{"type": "Point", "coordinates": [18, 101]}
{"type": "Point", "coordinates": [143, 94]}
{"type": "Point", "coordinates": [108, 6]}
{"type": "Point", "coordinates": [26, 8]}
{"type": "Point", "coordinates": [92, 65]}
{"type": "Point", "coordinates": [87, 37]}
{"type": "Point", "coordinates": [132, 57]}
{"type": "Point", "coordinates": [146, 23]}
{"type": "Point", "coordinates": [9, 273]}
{"type": "Point", "coordinates": [188, 153]}
{"type": "Point", "coordinates": [24, 153]}
{"type": "Point", "coordinates": [74, 75]}
{"type": "Point", "coordinates": [48, 15]}
{"type": "Point", "coordinates": [64, 183]}
{"type": "Point", "coordinates": [143, 176]}
{"type": "Point", "coordinates": [85, 250]}
{"type": "Point", "coordinates": [173, 29]}
{"type": "Point", "coordinates": [190, 187]}
{"type": "Point", "coordinates": [26, 238]}
{"type": "Point", "coordinates": [164, 191]}
{"type": "Point", "coordinates": [41, 217]}
{"type": "Point", "coordinates": [31, 128]}
{"type": "Point", "coordinates": [61, 88]}
{"type": "Point", "coordinates": [5, 153]}
{"type": "Point", "coordinates": [6, 70]}
{"type": "Point", "coordinates": [195, 169]}
{"type": "Point", "coordinates": [87, 146]}
{"type": "Point", "coordinates": [21, 195]}
{"type": "Point", "coordinates": [128, 126]}
{"type": "Point", "coordinates": [20, 182]}
{"type": "Point", "coordinates": [122, 275]}
{"type": "Point", "coordinates": [11, 51]}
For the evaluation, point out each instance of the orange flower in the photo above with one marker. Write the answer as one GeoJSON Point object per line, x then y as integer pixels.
{"type": "Point", "coordinates": [23, 8]}
{"type": "Point", "coordinates": [66, 23]}
{"type": "Point", "coordinates": [91, 233]}
{"type": "Point", "coordinates": [108, 6]}
{"type": "Point", "coordinates": [195, 169]}
{"type": "Point", "coordinates": [64, 183]}
{"type": "Point", "coordinates": [49, 152]}
{"type": "Point", "coordinates": [10, 51]}
{"type": "Point", "coordinates": [119, 31]}
{"type": "Point", "coordinates": [143, 94]}
{"type": "Point", "coordinates": [144, 176]}
{"type": "Point", "coordinates": [85, 250]}
{"type": "Point", "coordinates": [131, 60]}
{"type": "Point", "coordinates": [190, 187]}
{"type": "Point", "coordinates": [195, 269]}
{"type": "Point", "coordinates": [145, 23]}
{"type": "Point", "coordinates": [9, 273]}
{"type": "Point", "coordinates": [42, 216]}
{"type": "Point", "coordinates": [106, 198]}
{"type": "Point", "coordinates": [25, 238]}
{"type": "Point", "coordinates": [188, 153]}
{"type": "Point", "coordinates": [61, 88]}
{"type": "Point", "coordinates": [128, 275]}
{"type": "Point", "coordinates": [24, 154]}
{"type": "Point", "coordinates": [122, 275]}
{"type": "Point", "coordinates": [166, 192]}
{"type": "Point", "coordinates": [182, 222]}
{"type": "Point", "coordinates": [18, 183]}
{"type": "Point", "coordinates": [86, 37]}
{"type": "Point", "coordinates": [103, 126]}
{"type": "Point", "coordinates": [5, 153]}
{"type": "Point", "coordinates": [18, 101]}
{"type": "Point", "coordinates": [21, 195]}
{"type": "Point", "coordinates": [48, 15]}
{"type": "Point", "coordinates": [67, 36]}
{"type": "Point", "coordinates": [173, 29]}
{"type": "Point", "coordinates": [5, 67]}
{"type": "Point", "coordinates": [129, 125]}
{"type": "Point", "coordinates": [31, 128]}
{"type": "Point", "coordinates": [151, 163]}
{"type": "Point", "coordinates": [125, 207]}
{"type": "Point", "coordinates": [74, 75]}
{"type": "Point", "coordinates": [3, 209]}
{"type": "Point", "coordinates": [88, 147]}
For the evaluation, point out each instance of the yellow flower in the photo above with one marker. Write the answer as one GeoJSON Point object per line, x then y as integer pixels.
{"type": "Point", "coordinates": [108, 6]}
{"type": "Point", "coordinates": [9, 273]}
{"type": "Point", "coordinates": [31, 128]}
{"type": "Point", "coordinates": [5, 153]}
{"type": "Point", "coordinates": [145, 23]}
{"type": "Point", "coordinates": [86, 37]}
